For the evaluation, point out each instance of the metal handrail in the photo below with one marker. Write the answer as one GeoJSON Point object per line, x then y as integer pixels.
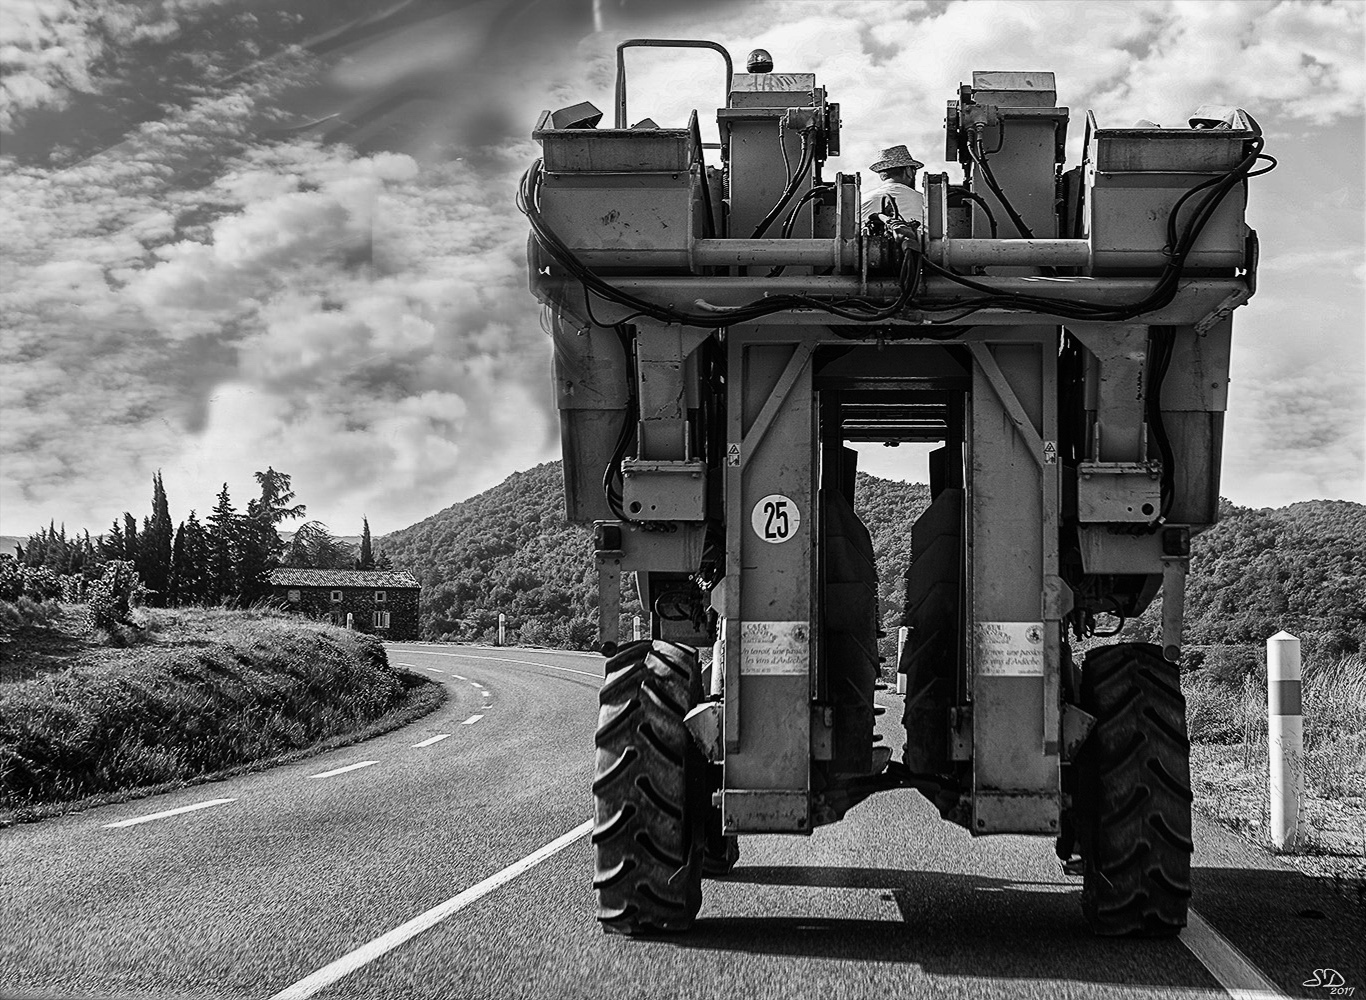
{"type": "Point", "coordinates": [662, 43]}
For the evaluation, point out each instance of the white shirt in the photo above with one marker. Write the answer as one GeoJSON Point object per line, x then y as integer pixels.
{"type": "Point", "coordinates": [909, 202]}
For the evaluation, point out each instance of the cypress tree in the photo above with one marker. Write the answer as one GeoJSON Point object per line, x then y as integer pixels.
{"type": "Point", "coordinates": [367, 557]}
{"type": "Point", "coordinates": [175, 580]}
{"type": "Point", "coordinates": [256, 541]}
{"type": "Point", "coordinates": [130, 538]}
{"type": "Point", "coordinates": [155, 548]}
{"type": "Point", "coordinates": [113, 546]}
{"type": "Point", "coordinates": [194, 576]}
{"type": "Point", "coordinates": [223, 532]}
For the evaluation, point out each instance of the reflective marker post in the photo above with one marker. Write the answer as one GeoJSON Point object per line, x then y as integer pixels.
{"type": "Point", "coordinates": [901, 636]}
{"type": "Point", "coordinates": [635, 627]}
{"type": "Point", "coordinates": [1285, 737]}
{"type": "Point", "coordinates": [502, 629]}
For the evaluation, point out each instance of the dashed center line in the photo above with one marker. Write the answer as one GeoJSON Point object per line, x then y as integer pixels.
{"type": "Point", "coordinates": [167, 812]}
{"type": "Point", "coordinates": [430, 740]}
{"type": "Point", "coordinates": [397, 664]}
{"type": "Point", "coordinates": [476, 684]}
{"type": "Point", "coordinates": [471, 720]}
{"type": "Point", "coordinates": [343, 770]}
{"type": "Point", "coordinates": [460, 677]}
{"type": "Point", "coordinates": [508, 659]}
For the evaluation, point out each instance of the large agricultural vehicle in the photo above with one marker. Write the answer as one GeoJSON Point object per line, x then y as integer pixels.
{"type": "Point", "coordinates": [727, 320]}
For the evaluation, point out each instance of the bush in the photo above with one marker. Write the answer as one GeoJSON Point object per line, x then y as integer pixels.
{"type": "Point", "coordinates": [36, 582]}
{"type": "Point", "coordinates": [111, 599]}
{"type": "Point", "coordinates": [1228, 665]}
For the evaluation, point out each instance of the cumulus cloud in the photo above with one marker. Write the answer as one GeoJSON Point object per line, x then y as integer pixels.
{"type": "Point", "coordinates": [48, 48]}
{"type": "Point", "coordinates": [892, 66]}
{"type": "Point", "coordinates": [209, 297]}
{"type": "Point", "coordinates": [1301, 437]}
{"type": "Point", "coordinates": [53, 49]}
{"type": "Point", "coordinates": [372, 331]}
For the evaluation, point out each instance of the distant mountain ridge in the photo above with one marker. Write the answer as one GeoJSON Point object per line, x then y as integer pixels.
{"type": "Point", "coordinates": [510, 550]}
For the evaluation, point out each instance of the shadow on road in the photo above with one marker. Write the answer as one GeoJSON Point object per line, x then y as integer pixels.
{"type": "Point", "coordinates": [970, 925]}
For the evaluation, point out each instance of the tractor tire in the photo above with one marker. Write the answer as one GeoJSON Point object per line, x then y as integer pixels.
{"type": "Point", "coordinates": [1134, 808]}
{"type": "Point", "coordinates": [649, 792]}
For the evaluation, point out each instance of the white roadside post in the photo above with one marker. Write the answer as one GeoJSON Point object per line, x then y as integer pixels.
{"type": "Point", "coordinates": [635, 627]}
{"type": "Point", "coordinates": [1285, 737]}
{"type": "Point", "coordinates": [502, 629]}
{"type": "Point", "coordinates": [901, 635]}
{"type": "Point", "coordinates": [350, 620]}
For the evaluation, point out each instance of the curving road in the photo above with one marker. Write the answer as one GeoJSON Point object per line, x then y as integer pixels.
{"type": "Point", "coordinates": [451, 859]}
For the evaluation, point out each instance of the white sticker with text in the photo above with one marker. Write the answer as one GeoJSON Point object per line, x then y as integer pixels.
{"type": "Point", "coordinates": [775, 648]}
{"type": "Point", "coordinates": [1009, 649]}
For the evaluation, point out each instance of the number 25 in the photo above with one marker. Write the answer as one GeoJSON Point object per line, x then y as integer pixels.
{"type": "Point", "coordinates": [777, 524]}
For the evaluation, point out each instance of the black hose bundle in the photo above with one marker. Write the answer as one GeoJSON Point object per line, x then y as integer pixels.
{"type": "Point", "coordinates": [851, 307]}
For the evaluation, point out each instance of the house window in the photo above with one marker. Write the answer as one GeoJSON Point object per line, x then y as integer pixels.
{"type": "Point", "coordinates": [379, 597]}
{"type": "Point", "coordinates": [336, 596]}
{"type": "Point", "coordinates": [294, 597]}
{"type": "Point", "coordinates": [381, 619]}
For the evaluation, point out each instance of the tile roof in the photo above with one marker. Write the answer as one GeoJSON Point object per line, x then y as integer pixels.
{"type": "Point", "coordinates": [392, 579]}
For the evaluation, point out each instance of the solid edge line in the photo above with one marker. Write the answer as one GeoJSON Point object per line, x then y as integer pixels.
{"type": "Point", "coordinates": [1240, 978]}
{"type": "Point", "coordinates": [387, 942]}
{"type": "Point", "coordinates": [343, 770]}
{"type": "Point", "coordinates": [166, 812]}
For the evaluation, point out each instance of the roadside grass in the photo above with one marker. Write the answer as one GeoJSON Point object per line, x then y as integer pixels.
{"type": "Point", "coordinates": [1230, 765]}
{"type": "Point", "coordinates": [193, 695]}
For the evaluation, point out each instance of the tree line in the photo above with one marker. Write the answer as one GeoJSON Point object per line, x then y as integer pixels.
{"type": "Point", "coordinates": [224, 559]}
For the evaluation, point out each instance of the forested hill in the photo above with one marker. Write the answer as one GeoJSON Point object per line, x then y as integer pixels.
{"type": "Point", "coordinates": [1301, 568]}
{"type": "Point", "coordinates": [509, 549]}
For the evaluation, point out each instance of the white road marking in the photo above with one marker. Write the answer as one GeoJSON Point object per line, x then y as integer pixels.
{"type": "Point", "coordinates": [508, 659]}
{"type": "Point", "coordinates": [434, 670]}
{"type": "Point", "coordinates": [1240, 978]}
{"type": "Point", "coordinates": [397, 664]}
{"type": "Point", "coordinates": [343, 770]}
{"type": "Point", "coordinates": [168, 812]}
{"type": "Point", "coordinates": [471, 720]}
{"type": "Point", "coordinates": [385, 943]}
{"type": "Point", "coordinates": [460, 677]}
{"type": "Point", "coordinates": [430, 740]}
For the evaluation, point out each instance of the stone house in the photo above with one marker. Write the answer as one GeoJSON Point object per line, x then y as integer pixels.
{"type": "Point", "coordinates": [382, 602]}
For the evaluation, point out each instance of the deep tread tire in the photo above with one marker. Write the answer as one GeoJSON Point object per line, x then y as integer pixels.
{"type": "Point", "coordinates": [648, 792]}
{"type": "Point", "coordinates": [1134, 808]}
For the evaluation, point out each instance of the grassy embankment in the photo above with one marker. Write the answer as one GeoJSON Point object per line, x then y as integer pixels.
{"type": "Point", "coordinates": [195, 694]}
{"type": "Point", "coordinates": [1229, 764]}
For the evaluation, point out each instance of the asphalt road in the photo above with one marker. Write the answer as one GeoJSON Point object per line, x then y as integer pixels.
{"type": "Point", "coordinates": [263, 894]}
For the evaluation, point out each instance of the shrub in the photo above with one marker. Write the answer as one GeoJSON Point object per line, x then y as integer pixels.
{"type": "Point", "coordinates": [36, 582]}
{"type": "Point", "coordinates": [111, 598]}
{"type": "Point", "coordinates": [1228, 665]}
{"type": "Point", "coordinates": [11, 579]}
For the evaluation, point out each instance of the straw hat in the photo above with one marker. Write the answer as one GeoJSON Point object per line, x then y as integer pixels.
{"type": "Point", "coordinates": [893, 157]}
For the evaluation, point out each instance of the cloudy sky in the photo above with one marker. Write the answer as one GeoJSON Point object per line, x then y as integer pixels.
{"type": "Point", "coordinates": [243, 233]}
